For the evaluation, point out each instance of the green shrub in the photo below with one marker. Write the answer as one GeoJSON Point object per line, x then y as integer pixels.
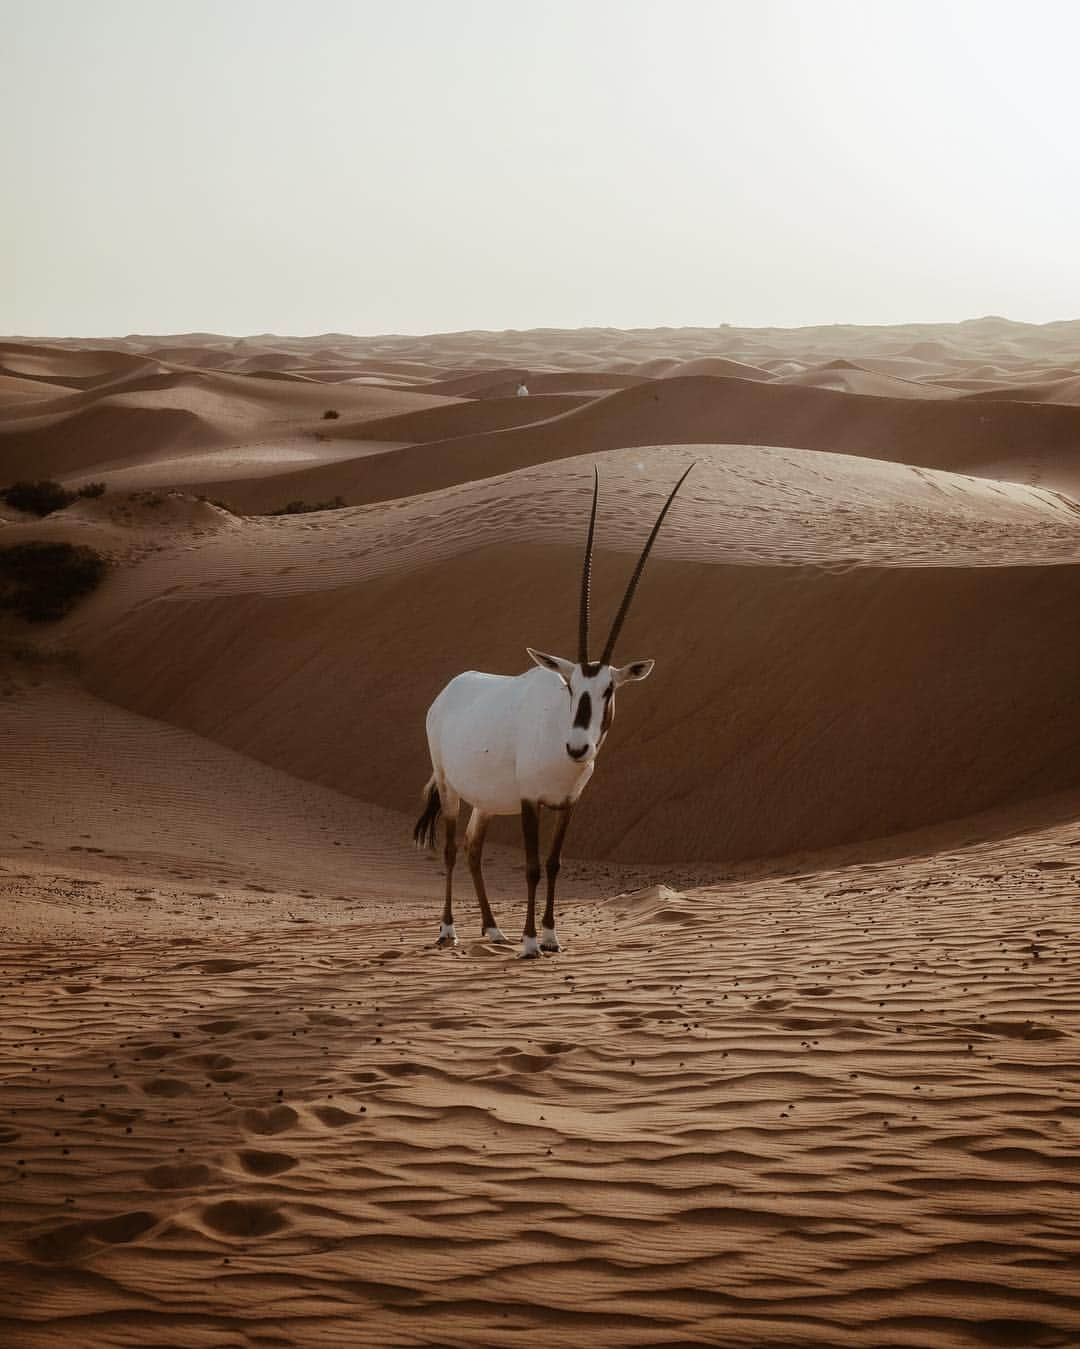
{"type": "Point", "coordinates": [42, 581]}
{"type": "Point", "coordinates": [302, 507]}
{"type": "Point", "coordinates": [330, 415]}
{"type": "Point", "coordinates": [91, 489]}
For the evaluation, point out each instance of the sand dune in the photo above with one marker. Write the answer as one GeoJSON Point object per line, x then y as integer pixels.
{"type": "Point", "coordinates": [14, 389]}
{"type": "Point", "coordinates": [847, 378]}
{"type": "Point", "coordinates": [716, 365]}
{"type": "Point", "coordinates": [63, 366]}
{"type": "Point", "coordinates": [178, 411]}
{"type": "Point", "coordinates": [770, 548]}
{"type": "Point", "coordinates": [103, 433]}
{"type": "Point", "coordinates": [1031, 443]}
{"type": "Point", "coordinates": [560, 382]}
{"type": "Point", "coordinates": [455, 418]}
{"type": "Point", "coordinates": [1062, 390]}
{"type": "Point", "coordinates": [805, 1070]}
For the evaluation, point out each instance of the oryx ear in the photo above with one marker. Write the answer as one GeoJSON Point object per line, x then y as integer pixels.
{"type": "Point", "coordinates": [563, 668]}
{"type": "Point", "coordinates": [638, 669]}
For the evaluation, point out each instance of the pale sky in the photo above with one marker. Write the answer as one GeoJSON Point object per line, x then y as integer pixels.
{"type": "Point", "coordinates": [372, 166]}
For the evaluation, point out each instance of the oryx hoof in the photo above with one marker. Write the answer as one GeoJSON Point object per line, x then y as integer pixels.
{"type": "Point", "coordinates": [548, 940]}
{"type": "Point", "coordinates": [530, 948]}
{"type": "Point", "coordinates": [447, 936]}
{"type": "Point", "coordinates": [493, 934]}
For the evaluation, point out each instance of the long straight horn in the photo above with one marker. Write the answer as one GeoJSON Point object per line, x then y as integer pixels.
{"type": "Point", "coordinates": [586, 577]}
{"type": "Point", "coordinates": [620, 617]}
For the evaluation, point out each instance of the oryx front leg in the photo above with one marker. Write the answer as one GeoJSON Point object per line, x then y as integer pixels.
{"type": "Point", "coordinates": [530, 828]}
{"type": "Point", "coordinates": [447, 934]}
{"type": "Point", "coordinates": [548, 940]}
{"type": "Point", "coordinates": [474, 848]}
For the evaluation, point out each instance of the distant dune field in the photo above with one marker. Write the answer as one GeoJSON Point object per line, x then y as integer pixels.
{"type": "Point", "coordinates": [805, 1072]}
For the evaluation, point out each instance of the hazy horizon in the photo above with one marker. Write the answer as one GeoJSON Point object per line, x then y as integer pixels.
{"type": "Point", "coordinates": [250, 168]}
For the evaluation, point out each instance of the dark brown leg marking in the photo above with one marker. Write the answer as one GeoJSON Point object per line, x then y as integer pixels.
{"type": "Point", "coordinates": [554, 862]}
{"type": "Point", "coordinates": [449, 857]}
{"type": "Point", "coordinates": [530, 828]}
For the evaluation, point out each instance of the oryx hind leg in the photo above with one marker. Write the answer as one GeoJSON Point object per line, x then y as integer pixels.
{"type": "Point", "coordinates": [474, 848]}
{"type": "Point", "coordinates": [451, 812]}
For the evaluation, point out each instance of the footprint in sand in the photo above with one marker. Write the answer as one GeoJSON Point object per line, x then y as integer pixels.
{"type": "Point", "coordinates": [154, 1052]}
{"type": "Point", "coordinates": [238, 1218]}
{"type": "Point", "coordinates": [167, 1086]}
{"type": "Point", "coordinates": [1016, 1030]}
{"type": "Point", "coordinates": [257, 1162]}
{"type": "Point", "coordinates": [273, 1121]}
{"type": "Point", "coordinates": [219, 1027]}
{"type": "Point", "coordinates": [332, 1117]}
{"type": "Point", "coordinates": [72, 1241]}
{"type": "Point", "coordinates": [186, 1176]}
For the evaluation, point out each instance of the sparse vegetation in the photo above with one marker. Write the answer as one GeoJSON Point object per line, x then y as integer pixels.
{"type": "Point", "coordinates": [42, 581]}
{"type": "Point", "coordinates": [302, 507]}
{"type": "Point", "coordinates": [331, 414]}
{"type": "Point", "coordinates": [46, 495]}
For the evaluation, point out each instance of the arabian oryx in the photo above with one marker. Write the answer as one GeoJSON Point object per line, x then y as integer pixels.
{"type": "Point", "coordinates": [509, 744]}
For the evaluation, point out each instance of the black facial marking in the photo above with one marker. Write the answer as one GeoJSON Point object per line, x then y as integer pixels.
{"type": "Point", "coordinates": [590, 669]}
{"type": "Point", "coordinates": [584, 712]}
{"type": "Point", "coordinates": [609, 709]}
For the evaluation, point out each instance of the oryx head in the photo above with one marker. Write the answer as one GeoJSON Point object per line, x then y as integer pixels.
{"type": "Point", "coordinates": [592, 684]}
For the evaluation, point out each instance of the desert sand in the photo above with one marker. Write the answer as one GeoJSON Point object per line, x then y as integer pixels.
{"type": "Point", "coordinates": [806, 1070]}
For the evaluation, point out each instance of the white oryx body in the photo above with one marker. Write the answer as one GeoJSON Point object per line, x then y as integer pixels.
{"type": "Point", "coordinates": [498, 740]}
{"type": "Point", "coordinates": [510, 744]}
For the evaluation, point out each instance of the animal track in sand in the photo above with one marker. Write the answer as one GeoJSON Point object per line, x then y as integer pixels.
{"type": "Point", "coordinates": [211, 1060]}
{"type": "Point", "coordinates": [74, 1240]}
{"type": "Point", "coordinates": [155, 1052]}
{"type": "Point", "coordinates": [331, 1116]}
{"type": "Point", "coordinates": [184, 1176]}
{"type": "Point", "coordinates": [264, 1163]}
{"type": "Point", "coordinates": [219, 965]}
{"type": "Point", "coordinates": [273, 1121]}
{"type": "Point", "coordinates": [1015, 1030]}
{"type": "Point", "coordinates": [219, 1027]}
{"type": "Point", "coordinates": [167, 1086]}
{"type": "Point", "coordinates": [238, 1218]}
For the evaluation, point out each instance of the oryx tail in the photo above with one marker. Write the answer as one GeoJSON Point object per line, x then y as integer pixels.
{"type": "Point", "coordinates": [426, 828]}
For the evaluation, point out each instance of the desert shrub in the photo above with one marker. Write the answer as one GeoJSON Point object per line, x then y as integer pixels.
{"type": "Point", "coordinates": [331, 414]}
{"type": "Point", "coordinates": [302, 507]}
{"type": "Point", "coordinates": [46, 495]}
{"type": "Point", "coordinates": [42, 581]}
{"type": "Point", "coordinates": [37, 498]}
